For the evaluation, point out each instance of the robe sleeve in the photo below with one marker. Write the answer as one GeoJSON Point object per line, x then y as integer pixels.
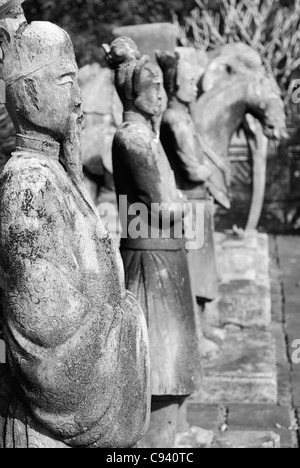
{"type": "Point", "coordinates": [182, 133]}
{"type": "Point", "coordinates": [80, 358]}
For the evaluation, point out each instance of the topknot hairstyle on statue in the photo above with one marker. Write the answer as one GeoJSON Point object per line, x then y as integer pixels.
{"type": "Point", "coordinates": [169, 63]}
{"type": "Point", "coordinates": [128, 62]}
{"type": "Point", "coordinates": [121, 52]}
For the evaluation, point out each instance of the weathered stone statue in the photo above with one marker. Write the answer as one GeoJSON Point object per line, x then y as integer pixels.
{"type": "Point", "coordinates": [181, 143]}
{"type": "Point", "coordinates": [235, 83]}
{"type": "Point", "coordinates": [229, 85]}
{"type": "Point", "coordinates": [78, 364]}
{"type": "Point", "coordinates": [155, 261]}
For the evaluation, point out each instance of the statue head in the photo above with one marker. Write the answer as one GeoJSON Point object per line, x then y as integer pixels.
{"type": "Point", "coordinates": [238, 67]}
{"type": "Point", "coordinates": [180, 77]}
{"type": "Point", "coordinates": [137, 80]}
{"type": "Point", "coordinates": [121, 52]}
{"type": "Point", "coordinates": [39, 68]}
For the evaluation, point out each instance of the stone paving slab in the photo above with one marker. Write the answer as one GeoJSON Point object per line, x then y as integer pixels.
{"type": "Point", "coordinates": [284, 381]}
{"type": "Point", "coordinates": [243, 265]}
{"type": "Point", "coordinates": [246, 372]}
{"type": "Point", "coordinates": [247, 439]}
{"type": "Point", "coordinates": [296, 388]}
{"type": "Point", "coordinates": [240, 418]}
{"type": "Point", "coordinates": [275, 418]}
{"type": "Point", "coordinates": [259, 417]}
{"type": "Point", "coordinates": [288, 246]}
{"type": "Point", "coordinates": [210, 417]}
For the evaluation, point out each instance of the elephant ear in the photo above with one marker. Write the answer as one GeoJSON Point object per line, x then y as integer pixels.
{"type": "Point", "coordinates": [220, 70]}
{"type": "Point", "coordinates": [228, 60]}
{"type": "Point", "coordinates": [245, 54]}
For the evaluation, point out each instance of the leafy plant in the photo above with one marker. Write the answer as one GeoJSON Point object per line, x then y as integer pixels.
{"type": "Point", "coordinates": [271, 27]}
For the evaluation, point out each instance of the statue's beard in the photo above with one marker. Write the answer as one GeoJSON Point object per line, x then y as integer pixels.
{"type": "Point", "coordinates": [71, 148]}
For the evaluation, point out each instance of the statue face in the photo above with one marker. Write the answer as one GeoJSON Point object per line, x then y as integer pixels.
{"type": "Point", "coordinates": [50, 96]}
{"type": "Point", "coordinates": [150, 97]}
{"type": "Point", "coordinates": [187, 89]}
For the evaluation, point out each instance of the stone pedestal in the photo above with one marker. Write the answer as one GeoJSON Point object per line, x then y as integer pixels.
{"type": "Point", "coordinates": [244, 277]}
{"type": "Point", "coordinates": [246, 370]}
{"type": "Point", "coordinates": [245, 373]}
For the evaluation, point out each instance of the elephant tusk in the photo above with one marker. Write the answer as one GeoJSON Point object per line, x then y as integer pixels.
{"type": "Point", "coordinates": [258, 144]}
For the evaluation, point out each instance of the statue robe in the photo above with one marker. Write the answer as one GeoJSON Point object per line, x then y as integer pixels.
{"type": "Point", "coordinates": [156, 269]}
{"type": "Point", "coordinates": [180, 142]}
{"type": "Point", "coordinates": [78, 362]}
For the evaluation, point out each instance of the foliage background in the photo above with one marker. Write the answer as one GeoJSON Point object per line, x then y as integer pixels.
{"type": "Point", "coordinates": [271, 27]}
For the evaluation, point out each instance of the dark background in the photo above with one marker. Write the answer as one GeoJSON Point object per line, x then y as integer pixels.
{"type": "Point", "coordinates": [90, 22]}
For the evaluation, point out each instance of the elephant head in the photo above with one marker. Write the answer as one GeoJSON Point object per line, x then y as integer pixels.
{"type": "Point", "coordinates": [234, 86]}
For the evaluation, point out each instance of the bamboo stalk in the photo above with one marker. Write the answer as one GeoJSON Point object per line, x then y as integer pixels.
{"type": "Point", "coordinates": [272, 30]}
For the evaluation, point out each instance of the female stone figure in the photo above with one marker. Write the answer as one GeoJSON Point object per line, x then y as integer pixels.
{"type": "Point", "coordinates": [78, 363]}
{"type": "Point", "coordinates": [155, 261]}
{"type": "Point", "coordinates": [182, 146]}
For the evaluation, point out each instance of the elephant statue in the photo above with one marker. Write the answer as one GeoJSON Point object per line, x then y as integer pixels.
{"type": "Point", "coordinates": [235, 91]}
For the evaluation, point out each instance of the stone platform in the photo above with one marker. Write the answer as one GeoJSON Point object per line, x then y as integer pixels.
{"type": "Point", "coordinates": [244, 278]}
{"type": "Point", "coordinates": [246, 370]}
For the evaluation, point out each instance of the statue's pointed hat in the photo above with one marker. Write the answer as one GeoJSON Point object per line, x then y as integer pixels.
{"type": "Point", "coordinates": [27, 48]}
{"type": "Point", "coordinates": [128, 63]}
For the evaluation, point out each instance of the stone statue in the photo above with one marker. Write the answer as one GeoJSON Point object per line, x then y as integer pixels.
{"type": "Point", "coordinates": [229, 87]}
{"type": "Point", "coordinates": [78, 364]}
{"type": "Point", "coordinates": [181, 143]}
{"type": "Point", "coordinates": [155, 262]}
{"type": "Point", "coordinates": [233, 85]}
